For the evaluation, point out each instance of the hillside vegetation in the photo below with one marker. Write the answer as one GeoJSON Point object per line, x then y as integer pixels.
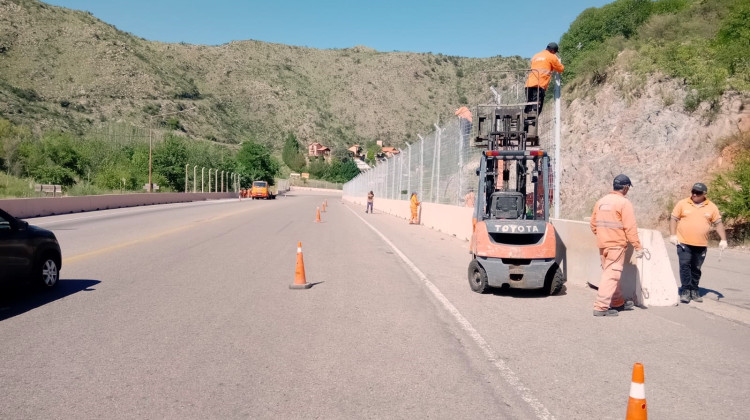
{"type": "Point", "coordinates": [704, 43]}
{"type": "Point", "coordinates": [61, 68]}
{"type": "Point", "coordinates": [659, 90]}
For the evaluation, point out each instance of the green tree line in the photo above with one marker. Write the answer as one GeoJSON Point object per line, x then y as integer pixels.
{"type": "Point", "coordinates": [341, 167]}
{"type": "Point", "coordinates": [98, 164]}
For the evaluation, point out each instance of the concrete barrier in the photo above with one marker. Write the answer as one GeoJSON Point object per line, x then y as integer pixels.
{"type": "Point", "coordinates": [651, 283]}
{"type": "Point", "coordinates": [38, 207]}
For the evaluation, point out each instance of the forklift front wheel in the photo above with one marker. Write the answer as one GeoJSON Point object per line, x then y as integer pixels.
{"type": "Point", "coordinates": [477, 277]}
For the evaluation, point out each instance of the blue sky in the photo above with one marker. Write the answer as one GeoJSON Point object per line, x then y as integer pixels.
{"type": "Point", "coordinates": [479, 28]}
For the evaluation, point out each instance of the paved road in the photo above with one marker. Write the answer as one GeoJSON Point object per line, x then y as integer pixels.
{"type": "Point", "coordinates": [184, 311]}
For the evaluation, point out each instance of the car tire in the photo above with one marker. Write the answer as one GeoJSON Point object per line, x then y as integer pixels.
{"type": "Point", "coordinates": [477, 277]}
{"type": "Point", "coordinates": [47, 272]}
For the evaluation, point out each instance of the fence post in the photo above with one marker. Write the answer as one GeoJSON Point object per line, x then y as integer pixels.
{"type": "Point", "coordinates": [400, 172]}
{"type": "Point", "coordinates": [186, 178]}
{"type": "Point", "coordinates": [439, 133]}
{"type": "Point", "coordinates": [408, 170]}
{"type": "Point", "coordinates": [216, 180]}
{"type": "Point", "coordinates": [558, 165]}
{"type": "Point", "coordinates": [203, 169]}
{"type": "Point", "coordinates": [195, 178]}
{"type": "Point", "coordinates": [385, 183]}
{"type": "Point", "coordinates": [421, 166]}
{"type": "Point", "coordinates": [461, 139]}
{"type": "Point", "coordinates": [393, 179]}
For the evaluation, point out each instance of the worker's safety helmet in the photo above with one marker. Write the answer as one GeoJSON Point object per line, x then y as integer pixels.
{"type": "Point", "coordinates": [552, 46]}
{"type": "Point", "coordinates": [621, 181]}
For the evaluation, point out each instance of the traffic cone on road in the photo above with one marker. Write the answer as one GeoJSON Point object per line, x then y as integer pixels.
{"type": "Point", "coordinates": [324, 207]}
{"type": "Point", "coordinates": [300, 282]}
{"type": "Point", "coordinates": [317, 215]}
{"type": "Point", "coordinates": [637, 401]}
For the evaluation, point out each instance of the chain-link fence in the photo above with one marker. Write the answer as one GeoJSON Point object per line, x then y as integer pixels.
{"type": "Point", "coordinates": [441, 167]}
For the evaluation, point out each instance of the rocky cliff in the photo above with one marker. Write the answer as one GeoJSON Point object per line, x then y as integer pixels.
{"type": "Point", "coordinates": [651, 138]}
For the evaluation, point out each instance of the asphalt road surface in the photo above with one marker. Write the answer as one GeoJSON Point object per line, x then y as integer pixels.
{"type": "Point", "coordinates": [184, 311]}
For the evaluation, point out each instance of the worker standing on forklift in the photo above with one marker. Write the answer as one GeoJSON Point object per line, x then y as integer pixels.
{"type": "Point", "coordinates": [414, 207]}
{"type": "Point", "coordinates": [613, 223]}
{"type": "Point", "coordinates": [542, 66]}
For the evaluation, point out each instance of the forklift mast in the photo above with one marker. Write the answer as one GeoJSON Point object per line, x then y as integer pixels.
{"type": "Point", "coordinates": [514, 172]}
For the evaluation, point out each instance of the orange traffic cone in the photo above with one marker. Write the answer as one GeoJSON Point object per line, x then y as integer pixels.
{"type": "Point", "coordinates": [317, 216]}
{"type": "Point", "coordinates": [324, 207]}
{"type": "Point", "coordinates": [299, 273]}
{"type": "Point", "coordinates": [637, 401]}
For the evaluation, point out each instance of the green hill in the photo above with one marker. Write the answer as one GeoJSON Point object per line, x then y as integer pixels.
{"type": "Point", "coordinates": [61, 68]}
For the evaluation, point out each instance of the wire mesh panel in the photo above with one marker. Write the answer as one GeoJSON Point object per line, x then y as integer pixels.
{"type": "Point", "coordinates": [442, 166]}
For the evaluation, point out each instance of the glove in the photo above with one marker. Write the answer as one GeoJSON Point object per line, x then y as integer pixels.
{"type": "Point", "coordinates": [673, 239]}
{"type": "Point", "coordinates": [638, 253]}
{"type": "Point", "coordinates": [722, 244]}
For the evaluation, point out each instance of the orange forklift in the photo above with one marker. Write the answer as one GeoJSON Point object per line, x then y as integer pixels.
{"type": "Point", "coordinates": [513, 244]}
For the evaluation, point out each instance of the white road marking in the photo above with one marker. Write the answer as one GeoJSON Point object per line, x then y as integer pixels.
{"type": "Point", "coordinates": [510, 377]}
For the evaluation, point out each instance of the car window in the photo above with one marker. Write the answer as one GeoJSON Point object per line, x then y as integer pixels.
{"type": "Point", "coordinates": [4, 223]}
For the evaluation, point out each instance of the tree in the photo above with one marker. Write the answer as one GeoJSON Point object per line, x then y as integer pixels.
{"type": "Point", "coordinates": [169, 160]}
{"type": "Point", "coordinates": [292, 155]}
{"type": "Point", "coordinates": [255, 163]}
{"type": "Point", "coordinates": [731, 191]}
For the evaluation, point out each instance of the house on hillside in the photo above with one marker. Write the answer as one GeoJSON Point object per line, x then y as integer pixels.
{"type": "Point", "coordinates": [355, 151]}
{"type": "Point", "coordinates": [390, 152]}
{"type": "Point", "coordinates": [316, 149]}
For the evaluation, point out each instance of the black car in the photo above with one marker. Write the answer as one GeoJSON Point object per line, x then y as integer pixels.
{"type": "Point", "coordinates": [28, 253]}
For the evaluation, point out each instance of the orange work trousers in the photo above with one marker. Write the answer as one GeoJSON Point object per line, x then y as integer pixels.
{"type": "Point", "coordinates": [414, 215]}
{"type": "Point", "coordinates": [609, 286]}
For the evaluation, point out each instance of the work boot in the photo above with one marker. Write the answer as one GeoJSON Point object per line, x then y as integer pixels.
{"type": "Point", "coordinates": [685, 296]}
{"type": "Point", "coordinates": [696, 296]}
{"type": "Point", "coordinates": [608, 312]}
{"type": "Point", "coordinates": [628, 305]}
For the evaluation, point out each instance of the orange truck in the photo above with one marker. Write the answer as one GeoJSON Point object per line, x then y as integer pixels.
{"type": "Point", "coordinates": [261, 189]}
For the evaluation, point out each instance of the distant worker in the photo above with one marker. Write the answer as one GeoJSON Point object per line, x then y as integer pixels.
{"type": "Point", "coordinates": [370, 198]}
{"type": "Point", "coordinates": [542, 66]}
{"type": "Point", "coordinates": [469, 198]}
{"type": "Point", "coordinates": [689, 225]}
{"type": "Point", "coordinates": [464, 121]}
{"type": "Point", "coordinates": [613, 223]}
{"type": "Point", "coordinates": [414, 207]}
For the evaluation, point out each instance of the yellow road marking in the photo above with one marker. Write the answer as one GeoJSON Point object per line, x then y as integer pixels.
{"type": "Point", "coordinates": [108, 249]}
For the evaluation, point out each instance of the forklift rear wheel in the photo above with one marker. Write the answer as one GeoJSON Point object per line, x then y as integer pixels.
{"type": "Point", "coordinates": [554, 282]}
{"type": "Point", "coordinates": [477, 277]}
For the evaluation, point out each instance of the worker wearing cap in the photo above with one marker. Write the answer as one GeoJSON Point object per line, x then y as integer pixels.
{"type": "Point", "coordinates": [613, 223]}
{"type": "Point", "coordinates": [689, 225]}
{"type": "Point", "coordinates": [542, 66]}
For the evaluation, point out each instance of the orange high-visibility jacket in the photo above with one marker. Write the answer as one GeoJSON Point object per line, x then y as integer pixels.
{"type": "Point", "coordinates": [613, 222]}
{"type": "Point", "coordinates": [414, 202]}
{"type": "Point", "coordinates": [542, 65]}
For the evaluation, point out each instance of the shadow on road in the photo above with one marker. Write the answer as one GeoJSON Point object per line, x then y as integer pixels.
{"type": "Point", "coordinates": [703, 292]}
{"type": "Point", "coordinates": [17, 299]}
{"type": "Point", "coordinates": [525, 293]}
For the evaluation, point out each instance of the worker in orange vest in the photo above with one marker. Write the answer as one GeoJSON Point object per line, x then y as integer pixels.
{"type": "Point", "coordinates": [414, 206]}
{"type": "Point", "coordinates": [542, 66]}
{"type": "Point", "coordinates": [613, 223]}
